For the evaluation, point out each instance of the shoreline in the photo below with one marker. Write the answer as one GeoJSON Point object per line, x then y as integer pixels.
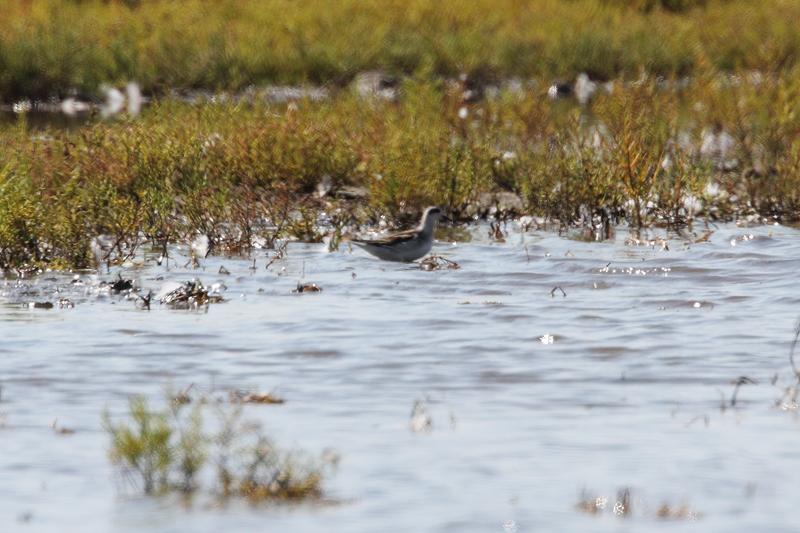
{"type": "Point", "coordinates": [645, 156]}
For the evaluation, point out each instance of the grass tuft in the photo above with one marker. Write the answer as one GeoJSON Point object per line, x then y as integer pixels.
{"type": "Point", "coordinates": [172, 450]}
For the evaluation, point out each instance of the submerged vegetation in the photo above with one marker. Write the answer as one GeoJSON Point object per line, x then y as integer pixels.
{"type": "Point", "coordinates": [238, 173]}
{"type": "Point", "coordinates": [621, 507]}
{"type": "Point", "coordinates": [171, 450]}
{"type": "Point", "coordinates": [52, 47]}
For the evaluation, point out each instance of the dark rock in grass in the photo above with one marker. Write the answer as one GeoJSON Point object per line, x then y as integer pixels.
{"type": "Point", "coordinates": [559, 90]}
{"type": "Point", "coordinates": [351, 193]}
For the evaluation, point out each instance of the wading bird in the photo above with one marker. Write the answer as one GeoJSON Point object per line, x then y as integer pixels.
{"type": "Point", "coordinates": [407, 245]}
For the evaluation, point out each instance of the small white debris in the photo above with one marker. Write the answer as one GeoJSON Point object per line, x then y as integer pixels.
{"type": "Point", "coordinates": [547, 339]}
{"type": "Point", "coordinates": [199, 245]}
{"type": "Point", "coordinates": [420, 418]}
{"type": "Point", "coordinates": [717, 147]}
{"type": "Point", "coordinates": [114, 101]}
{"type": "Point", "coordinates": [463, 113]}
{"type": "Point", "coordinates": [510, 526]}
{"type": "Point", "coordinates": [23, 106]}
{"type": "Point", "coordinates": [584, 88]}
{"type": "Point", "coordinates": [324, 186]}
{"type": "Point", "coordinates": [134, 94]}
{"type": "Point", "coordinates": [212, 140]}
{"type": "Point", "coordinates": [71, 107]}
{"type": "Point", "coordinates": [217, 287]}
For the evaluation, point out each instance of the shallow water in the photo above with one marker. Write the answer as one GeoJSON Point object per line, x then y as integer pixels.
{"type": "Point", "coordinates": [627, 395]}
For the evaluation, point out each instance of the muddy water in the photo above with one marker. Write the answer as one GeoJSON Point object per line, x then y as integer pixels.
{"type": "Point", "coordinates": [644, 346]}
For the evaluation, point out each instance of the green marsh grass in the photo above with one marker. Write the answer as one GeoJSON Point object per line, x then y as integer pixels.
{"type": "Point", "coordinates": [239, 171]}
{"type": "Point", "coordinates": [52, 47]}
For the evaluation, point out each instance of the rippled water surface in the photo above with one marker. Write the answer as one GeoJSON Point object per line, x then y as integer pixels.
{"type": "Point", "coordinates": [645, 345]}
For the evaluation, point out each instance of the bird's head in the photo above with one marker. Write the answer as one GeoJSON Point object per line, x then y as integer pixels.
{"type": "Point", "coordinates": [431, 217]}
{"type": "Point", "coordinates": [432, 212]}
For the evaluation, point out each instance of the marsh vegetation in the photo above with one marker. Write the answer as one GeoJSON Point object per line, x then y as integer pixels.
{"type": "Point", "coordinates": [172, 449]}
{"type": "Point", "coordinates": [684, 112]}
{"type": "Point", "coordinates": [54, 47]}
{"type": "Point", "coordinates": [251, 173]}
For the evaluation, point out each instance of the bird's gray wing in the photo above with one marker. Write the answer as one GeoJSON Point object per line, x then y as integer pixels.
{"type": "Point", "coordinates": [393, 239]}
